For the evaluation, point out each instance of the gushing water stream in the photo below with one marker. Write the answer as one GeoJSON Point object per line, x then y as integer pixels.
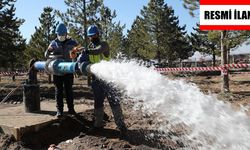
{"type": "Point", "coordinates": [214, 124]}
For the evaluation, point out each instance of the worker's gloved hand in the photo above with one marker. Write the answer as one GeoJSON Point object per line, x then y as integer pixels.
{"type": "Point", "coordinates": [81, 49]}
{"type": "Point", "coordinates": [48, 51]}
{"type": "Point", "coordinates": [50, 48]}
{"type": "Point", "coordinates": [74, 51]}
{"type": "Point", "coordinates": [78, 49]}
{"type": "Point", "coordinates": [72, 54]}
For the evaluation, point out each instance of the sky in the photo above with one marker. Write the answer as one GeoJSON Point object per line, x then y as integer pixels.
{"type": "Point", "coordinates": [126, 10]}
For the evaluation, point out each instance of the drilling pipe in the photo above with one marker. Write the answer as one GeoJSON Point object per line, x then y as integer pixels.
{"type": "Point", "coordinates": [54, 66]}
{"type": "Point", "coordinates": [59, 67]}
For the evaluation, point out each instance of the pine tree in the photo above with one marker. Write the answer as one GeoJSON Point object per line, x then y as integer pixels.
{"type": "Point", "coordinates": [157, 34]}
{"type": "Point", "coordinates": [79, 15]}
{"type": "Point", "coordinates": [111, 31]}
{"type": "Point", "coordinates": [174, 39]}
{"type": "Point", "coordinates": [78, 19]}
{"type": "Point", "coordinates": [204, 41]}
{"type": "Point", "coordinates": [43, 35]}
{"type": "Point", "coordinates": [116, 39]}
{"type": "Point", "coordinates": [138, 43]}
{"type": "Point", "coordinates": [105, 21]}
{"type": "Point", "coordinates": [12, 44]}
{"type": "Point", "coordinates": [192, 6]}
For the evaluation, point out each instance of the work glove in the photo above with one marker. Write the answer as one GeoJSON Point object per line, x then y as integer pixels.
{"type": "Point", "coordinates": [74, 51]}
{"type": "Point", "coordinates": [50, 48]}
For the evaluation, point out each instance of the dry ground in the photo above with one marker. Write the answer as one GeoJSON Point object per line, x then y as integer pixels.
{"type": "Point", "coordinates": [70, 132]}
{"type": "Point", "coordinates": [239, 88]}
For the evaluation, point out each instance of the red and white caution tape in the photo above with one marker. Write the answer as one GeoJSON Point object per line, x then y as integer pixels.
{"type": "Point", "coordinates": [237, 65]}
{"type": "Point", "coordinates": [10, 73]}
{"type": "Point", "coordinates": [17, 73]}
{"type": "Point", "coordinates": [220, 68]}
{"type": "Point", "coordinates": [190, 69]}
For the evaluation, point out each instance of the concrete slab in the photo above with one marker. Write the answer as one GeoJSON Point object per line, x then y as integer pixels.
{"type": "Point", "coordinates": [15, 121]}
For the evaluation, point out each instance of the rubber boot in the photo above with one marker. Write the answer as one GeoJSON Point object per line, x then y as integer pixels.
{"type": "Point", "coordinates": [71, 111]}
{"type": "Point", "coordinates": [98, 124]}
{"type": "Point", "coordinates": [99, 113]}
{"type": "Point", "coordinates": [119, 121]}
{"type": "Point", "coordinates": [59, 113]}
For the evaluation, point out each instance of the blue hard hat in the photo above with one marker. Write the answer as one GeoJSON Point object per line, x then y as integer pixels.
{"type": "Point", "coordinates": [92, 30]}
{"type": "Point", "coordinates": [61, 29]}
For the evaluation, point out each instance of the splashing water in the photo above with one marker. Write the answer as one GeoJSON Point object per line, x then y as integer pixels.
{"type": "Point", "coordinates": [215, 125]}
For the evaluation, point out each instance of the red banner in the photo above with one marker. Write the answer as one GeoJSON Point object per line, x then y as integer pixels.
{"type": "Point", "coordinates": [224, 2]}
{"type": "Point", "coordinates": [224, 27]}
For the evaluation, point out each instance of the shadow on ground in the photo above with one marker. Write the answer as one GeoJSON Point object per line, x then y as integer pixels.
{"type": "Point", "coordinates": [76, 127]}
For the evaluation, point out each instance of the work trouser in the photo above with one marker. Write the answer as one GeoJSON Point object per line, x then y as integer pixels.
{"type": "Point", "coordinates": [64, 82]}
{"type": "Point", "coordinates": [102, 90]}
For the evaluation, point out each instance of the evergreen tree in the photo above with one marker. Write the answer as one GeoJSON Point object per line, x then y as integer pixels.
{"type": "Point", "coordinates": [138, 43]}
{"type": "Point", "coordinates": [78, 19]}
{"type": "Point", "coordinates": [116, 39]}
{"type": "Point", "coordinates": [79, 15]}
{"type": "Point", "coordinates": [192, 6]}
{"type": "Point", "coordinates": [43, 35]}
{"type": "Point", "coordinates": [106, 21]}
{"type": "Point", "coordinates": [111, 31]}
{"type": "Point", "coordinates": [204, 41]}
{"type": "Point", "coordinates": [175, 41]}
{"type": "Point", "coordinates": [12, 44]}
{"type": "Point", "coordinates": [157, 33]}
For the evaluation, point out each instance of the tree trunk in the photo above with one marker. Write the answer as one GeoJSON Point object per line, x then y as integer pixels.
{"type": "Point", "coordinates": [228, 56]}
{"type": "Point", "coordinates": [224, 73]}
{"type": "Point", "coordinates": [159, 56]}
{"type": "Point", "coordinates": [85, 33]}
{"type": "Point", "coordinates": [214, 58]}
{"type": "Point", "coordinates": [85, 24]}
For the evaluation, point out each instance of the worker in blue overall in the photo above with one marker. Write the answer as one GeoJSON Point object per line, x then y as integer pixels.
{"type": "Point", "coordinates": [97, 51]}
{"type": "Point", "coordinates": [60, 48]}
